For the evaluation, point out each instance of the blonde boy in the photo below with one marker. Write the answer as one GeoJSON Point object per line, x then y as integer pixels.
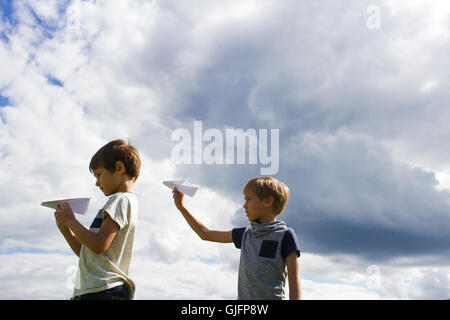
{"type": "Point", "coordinates": [267, 246]}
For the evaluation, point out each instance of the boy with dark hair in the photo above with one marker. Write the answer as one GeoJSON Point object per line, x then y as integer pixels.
{"type": "Point", "coordinates": [267, 246]}
{"type": "Point", "coordinates": [105, 249]}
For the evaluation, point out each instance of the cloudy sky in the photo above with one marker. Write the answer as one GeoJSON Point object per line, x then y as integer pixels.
{"type": "Point", "coordinates": [357, 89]}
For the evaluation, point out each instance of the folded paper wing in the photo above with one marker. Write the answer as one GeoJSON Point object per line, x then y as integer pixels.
{"type": "Point", "coordinates": [189, 190]}
{"type": "Point", "coordinates": [78, 205]}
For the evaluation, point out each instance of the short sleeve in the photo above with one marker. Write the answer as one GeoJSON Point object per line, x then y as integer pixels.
{"type": "Point", "coordinates": [289, 244]}
{"type": "Point", "coordinates": [237, 234]}
{"type": "Point", "coordinates": [117, 208]}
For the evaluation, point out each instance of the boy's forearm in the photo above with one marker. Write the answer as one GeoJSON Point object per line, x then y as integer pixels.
{"type": "Point", "coordinates": [295, 291]}
{"type": "Point", "coordinates": [195, 225]}
{"type": "Point", "coordinates": [293, 269]}
{"type": "Point", "coordinates": [84, 236]}
{"type": "Point", "coordinates": [73, 242]}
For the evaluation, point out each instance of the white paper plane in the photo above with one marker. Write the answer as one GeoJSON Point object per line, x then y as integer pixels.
{"type": "Point", "coordinates": [78, 205]}
{"type": "Point", "coordinates": [189, 190]}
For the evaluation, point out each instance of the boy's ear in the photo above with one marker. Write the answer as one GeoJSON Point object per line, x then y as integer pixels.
{"type": "Point", "coordinates": [120, 167]}
{"type": "Point", "coordinates": [268, 202]}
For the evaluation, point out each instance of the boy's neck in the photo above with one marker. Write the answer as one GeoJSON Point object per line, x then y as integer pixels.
{"type": "Point", "coordinates": [266, 219]}
{"type": "Point", "coordinates": [126, 186]}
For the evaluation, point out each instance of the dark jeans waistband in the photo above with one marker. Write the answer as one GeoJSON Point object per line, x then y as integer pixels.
{"type": "Point", "coordinates": [120, 292]}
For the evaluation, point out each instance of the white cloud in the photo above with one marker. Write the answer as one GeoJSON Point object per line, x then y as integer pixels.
{"type": "Point", "coordinates": [328, 291]}
{"type": "Point", "coordinates": [36, 276]}
{"type": "Point", "coordinates": [186, 279]}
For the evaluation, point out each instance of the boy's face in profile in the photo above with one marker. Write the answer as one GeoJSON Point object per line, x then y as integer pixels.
{"type": "Point", "coordinates": [256, 209]}
{"type": "Point", "coordinates": [108, 182]}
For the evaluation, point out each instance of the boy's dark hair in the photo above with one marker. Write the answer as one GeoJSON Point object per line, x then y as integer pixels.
{"type": "Point", "coordinates": [117, 150]}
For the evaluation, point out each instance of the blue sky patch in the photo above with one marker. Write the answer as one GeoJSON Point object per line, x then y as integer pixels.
{"type": "Point", "coordinates": [49, 26]}
{"type": "Point", "coordinates": [7, 11]}
{"type": "Point", "coordinates": [54, 81]}
{"type": "Point", "coordinates": [211, 260]}
{"type": "Point", "coordinates": [7, 15]}
{"type": "Point", "coordinates": [16, 250]}
{"type": "Point", "coordinates": [4, 37]}
{"type": "Point", "coordinates": [4, 101]}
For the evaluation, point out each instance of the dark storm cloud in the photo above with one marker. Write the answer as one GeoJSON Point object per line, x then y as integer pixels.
{"type": "Point", "coordinates": [350, 197]}
{"type": "Point", "coordinates": [333, 89]}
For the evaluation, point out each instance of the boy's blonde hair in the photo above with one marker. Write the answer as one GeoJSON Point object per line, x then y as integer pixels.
{"type": "Point", "coordinates": [266, 186]}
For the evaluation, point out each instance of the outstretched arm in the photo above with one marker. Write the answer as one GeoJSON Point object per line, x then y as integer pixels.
{"type": "Point", "coordinates": [200, 229]}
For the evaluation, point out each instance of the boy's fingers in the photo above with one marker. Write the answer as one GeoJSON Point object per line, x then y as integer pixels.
{"type": "Point", "coordinates": [62, 205]}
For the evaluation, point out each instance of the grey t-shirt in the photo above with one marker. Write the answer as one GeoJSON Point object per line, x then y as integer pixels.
{"type": "Point", "coordinates": [262, 268]}
{"type": "Point", "coordinates": [98, 272]}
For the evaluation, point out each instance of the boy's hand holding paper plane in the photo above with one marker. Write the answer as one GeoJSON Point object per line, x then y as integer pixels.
{"type": "Point", "coordinates": [78, 205]}
{"type": "Point", "coordinates": [189, 190]}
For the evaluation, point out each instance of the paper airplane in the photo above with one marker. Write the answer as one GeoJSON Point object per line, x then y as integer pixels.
{"type": "Point", "coordinates": [189, 190]}
{"type": "Point", "coordinates": [78, 205]}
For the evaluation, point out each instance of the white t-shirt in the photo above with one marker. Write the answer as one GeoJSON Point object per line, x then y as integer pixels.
{"type": "Point", "coordinates": [98, 272]}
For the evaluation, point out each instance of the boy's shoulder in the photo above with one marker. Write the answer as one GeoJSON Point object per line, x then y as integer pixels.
{"type": "Point", "coordinates": [259, 232]}
{"type": "Point", "coordinates": [122, 207]}
{"type": "Point", "coordinates": [127, 196]}
{"type": "Point", "coordinates": [121, 200]}
{"type": "Point", "coordinates": [290, 229]}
